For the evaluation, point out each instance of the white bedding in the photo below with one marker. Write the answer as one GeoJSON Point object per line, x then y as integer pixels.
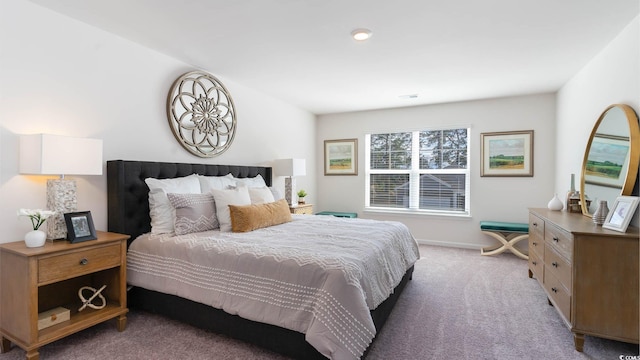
{"type": "Point", "coordinates": [318, 275]}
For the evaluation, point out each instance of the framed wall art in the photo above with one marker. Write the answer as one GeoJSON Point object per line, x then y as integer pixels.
{"type": "Point", "coordinates": [80, 226]}
{"type": "Point", "coordinates": [341, 157]}
{"type": "Point", "coordinates": [507, 153]}
{"type": "Point", "coordinates": [608, 161]}
{"type": "Point", "coordinates": [621, 213]}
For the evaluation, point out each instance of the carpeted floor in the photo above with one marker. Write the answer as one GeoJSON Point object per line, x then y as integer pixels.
{"type": "Point", "coordinates": [459, 305]}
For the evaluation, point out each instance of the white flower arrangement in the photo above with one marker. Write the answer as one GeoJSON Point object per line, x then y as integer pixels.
{"type": "Point", "coordinates": [37, 216]}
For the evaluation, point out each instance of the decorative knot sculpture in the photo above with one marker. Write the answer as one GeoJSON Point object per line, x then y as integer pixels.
{"type": "Point", "coordinates": [89, 302]}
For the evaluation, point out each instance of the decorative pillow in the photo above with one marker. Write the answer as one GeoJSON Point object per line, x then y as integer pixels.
{"type": "Point", "coordinates": [160, 210]}
{"type": "Point", "coordinates": [194, 213]}
{"type": "Point", "coordinates": [257, 216]}
{"type": "Point", "coordinates": [208, 183]}
{"type": "Point", "coordinates": [223, 198]}
{"type": "Point", "coordinates": [261, 195]}
{"type": "Point", "coordinates": [253, 182]}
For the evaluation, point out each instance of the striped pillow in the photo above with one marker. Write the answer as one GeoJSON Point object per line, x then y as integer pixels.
{"type": "Point", "coordinates": [194, 213]}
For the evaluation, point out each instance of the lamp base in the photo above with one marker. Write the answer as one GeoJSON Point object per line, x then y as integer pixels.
{"type": "Point", "coordinates": [290, 190]}
{"type": "Point", "coordinates": [61, 198]}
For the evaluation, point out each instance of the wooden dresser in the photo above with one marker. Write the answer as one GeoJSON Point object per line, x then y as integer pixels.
{"type": "Point", "coordinates": [590, 274]}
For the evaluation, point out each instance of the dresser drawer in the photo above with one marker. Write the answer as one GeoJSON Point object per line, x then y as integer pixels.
{"type": "Point", "coordinates": [557, 265]}
{"type": "Point", "coordinates": [536, 227]}
{"type": "Point", "coordinates": [76, 263]}
{"type": "Point", "coordinates": [558, 294]}
{"type": "Point", "coordinates": [536, 245]}
{"type": "Point", "coordinates": [536, 266]}
{"type": "Point", "coordinates": [560, 240]}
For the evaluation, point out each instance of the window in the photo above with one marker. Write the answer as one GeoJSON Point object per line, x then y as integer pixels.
{"type": "Point", "coordinates": [419, 171]}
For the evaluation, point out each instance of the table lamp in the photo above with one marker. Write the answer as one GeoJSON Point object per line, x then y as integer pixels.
{"type": "Point", "coordinates": [43, 154]}
{"type": "Point", "coordinates": [290, 168]}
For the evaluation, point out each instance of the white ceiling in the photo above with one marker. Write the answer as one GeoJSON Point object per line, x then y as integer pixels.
{"type": "Point", "coordinates": [301, 51]}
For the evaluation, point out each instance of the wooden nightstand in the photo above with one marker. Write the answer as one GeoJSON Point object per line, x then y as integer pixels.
{"type": "Point", "coordinates": [302, 209]}
{"type": "Point", "coordinates": [33, 280]}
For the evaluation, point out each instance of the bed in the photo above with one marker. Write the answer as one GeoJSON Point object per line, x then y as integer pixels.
{"type": "Point", "coordinates": [321, 321]}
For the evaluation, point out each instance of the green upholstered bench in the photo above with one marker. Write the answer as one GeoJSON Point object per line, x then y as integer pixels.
{"type": "Point", "coordinates": [338, 214]}
{"type": "Point", "coordinates": [508, 234]}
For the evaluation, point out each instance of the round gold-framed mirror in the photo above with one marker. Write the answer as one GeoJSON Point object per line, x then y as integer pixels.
{"type": "Point", "coordinates": [611, 159]}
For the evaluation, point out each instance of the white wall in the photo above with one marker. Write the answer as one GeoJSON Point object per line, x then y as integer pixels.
{"type": "Point", "coordinates": [613, 76]}
{"type": "Point", "coordinates": [492, 198]}
{"type": "Point", "coordinates": [61, 76]}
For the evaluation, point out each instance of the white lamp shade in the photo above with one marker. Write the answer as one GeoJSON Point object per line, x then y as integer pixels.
{"type": "Point", "coordinates": [44, 154]}
{"type": "Point", "coordinates": [290, 167]}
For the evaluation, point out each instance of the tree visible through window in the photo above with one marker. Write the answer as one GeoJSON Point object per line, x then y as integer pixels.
{"type": "Point", "coordinates": [419, 170]}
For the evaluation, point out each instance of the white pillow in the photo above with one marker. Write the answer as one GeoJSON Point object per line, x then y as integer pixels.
{"type": "Point", "coordinates": [160, 210]}
{"type": "Point", "coordinates": [277, 194]}
{"type": "Point", "coordinates": [261, 195]}
{"type": "Point", "coordinates": [208, 183]}
{"type": "Point", "coordinates": [224, 198]}
{"type": "Point", "coordinates": [253, 182]}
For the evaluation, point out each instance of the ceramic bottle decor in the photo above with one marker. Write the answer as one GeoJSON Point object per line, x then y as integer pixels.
{"type": "Point", "coordinates": [555, 204]}
{"type": "Point", "coordinates": [601, 212]}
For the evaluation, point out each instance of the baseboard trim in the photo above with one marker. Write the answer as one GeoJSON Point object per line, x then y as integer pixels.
{"type": "Point", "coordinates": [450, 244]}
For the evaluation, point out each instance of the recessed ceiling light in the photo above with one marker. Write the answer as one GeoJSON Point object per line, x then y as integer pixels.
{"type": "Point", "coordinates": [410, 96]}
{"type": "Point", "coordinates": [361, 34]}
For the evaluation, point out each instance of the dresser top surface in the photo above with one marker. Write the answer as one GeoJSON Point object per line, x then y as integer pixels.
{"type": "Point", "coordinates": [579, 224]}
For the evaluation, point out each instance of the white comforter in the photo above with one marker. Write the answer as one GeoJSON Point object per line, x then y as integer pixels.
{"type": "Point", "coordinates": [318, 275]}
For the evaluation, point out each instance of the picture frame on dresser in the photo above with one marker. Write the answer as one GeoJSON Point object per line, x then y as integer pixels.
{"type": "Point", "coordinates": [80, 226]}
{"type": "Point", "coordinates": [619, 217]}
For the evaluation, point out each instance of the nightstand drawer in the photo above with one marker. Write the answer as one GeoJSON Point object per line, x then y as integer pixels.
{"type": "Point", "coordinates": [306, 209]}
{"type": "Point", "coordinates": [65, 266]}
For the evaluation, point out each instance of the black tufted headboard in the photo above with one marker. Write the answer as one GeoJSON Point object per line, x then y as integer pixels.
{"type": "Point", "coordinates": [128, 194]}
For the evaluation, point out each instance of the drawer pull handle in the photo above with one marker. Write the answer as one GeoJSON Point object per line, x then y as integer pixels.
{"type": "Point", "coordinates": [534, 243]}
{"type": "Point", "coordinates": [554, 264]}
{"type": "Point", "coordinates": [554, 290]}
{"type": "Point", "coordinates": [555, 238]}
{"type": "Point", "coordinates": [535, 224]}
{"type": "Point", "coordinates": [84, 261]}
{"type": "Point", "coordinates": [534, 262]}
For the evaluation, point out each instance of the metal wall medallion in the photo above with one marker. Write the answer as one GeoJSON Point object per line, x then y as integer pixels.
{"type": "Point", "coordinates": [201, 114]}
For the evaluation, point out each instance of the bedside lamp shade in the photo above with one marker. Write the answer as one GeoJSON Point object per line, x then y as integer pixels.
{"type": "Point", "coordinates": [290, 168]}
{"type": "Point", "coordinates": [43, 154]}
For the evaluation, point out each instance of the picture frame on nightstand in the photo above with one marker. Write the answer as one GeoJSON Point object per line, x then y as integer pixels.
{"type": "Point", "coordinates": [80, 226]}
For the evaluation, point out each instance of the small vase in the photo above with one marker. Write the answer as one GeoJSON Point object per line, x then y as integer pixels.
{"type": "Point", "coordinates": [301, 201]}
{"type": "Point", "coordinates": [35, 238]}
{"type": "Point", "coordinates": [601, 213]}
{"type": "Point", "coordinates": [555, 204]}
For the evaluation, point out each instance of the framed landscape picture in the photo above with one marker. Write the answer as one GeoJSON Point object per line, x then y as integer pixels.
{"type": "Point", "coordinates": [341, 157]}
{"type": "Point", "coordinates": [508, 153]}
{"type": "Point", "coordinates": [607, 163]}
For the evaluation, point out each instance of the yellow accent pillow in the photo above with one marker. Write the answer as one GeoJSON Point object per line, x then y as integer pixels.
{"type": "Point", "coordinates": [246, 218]}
